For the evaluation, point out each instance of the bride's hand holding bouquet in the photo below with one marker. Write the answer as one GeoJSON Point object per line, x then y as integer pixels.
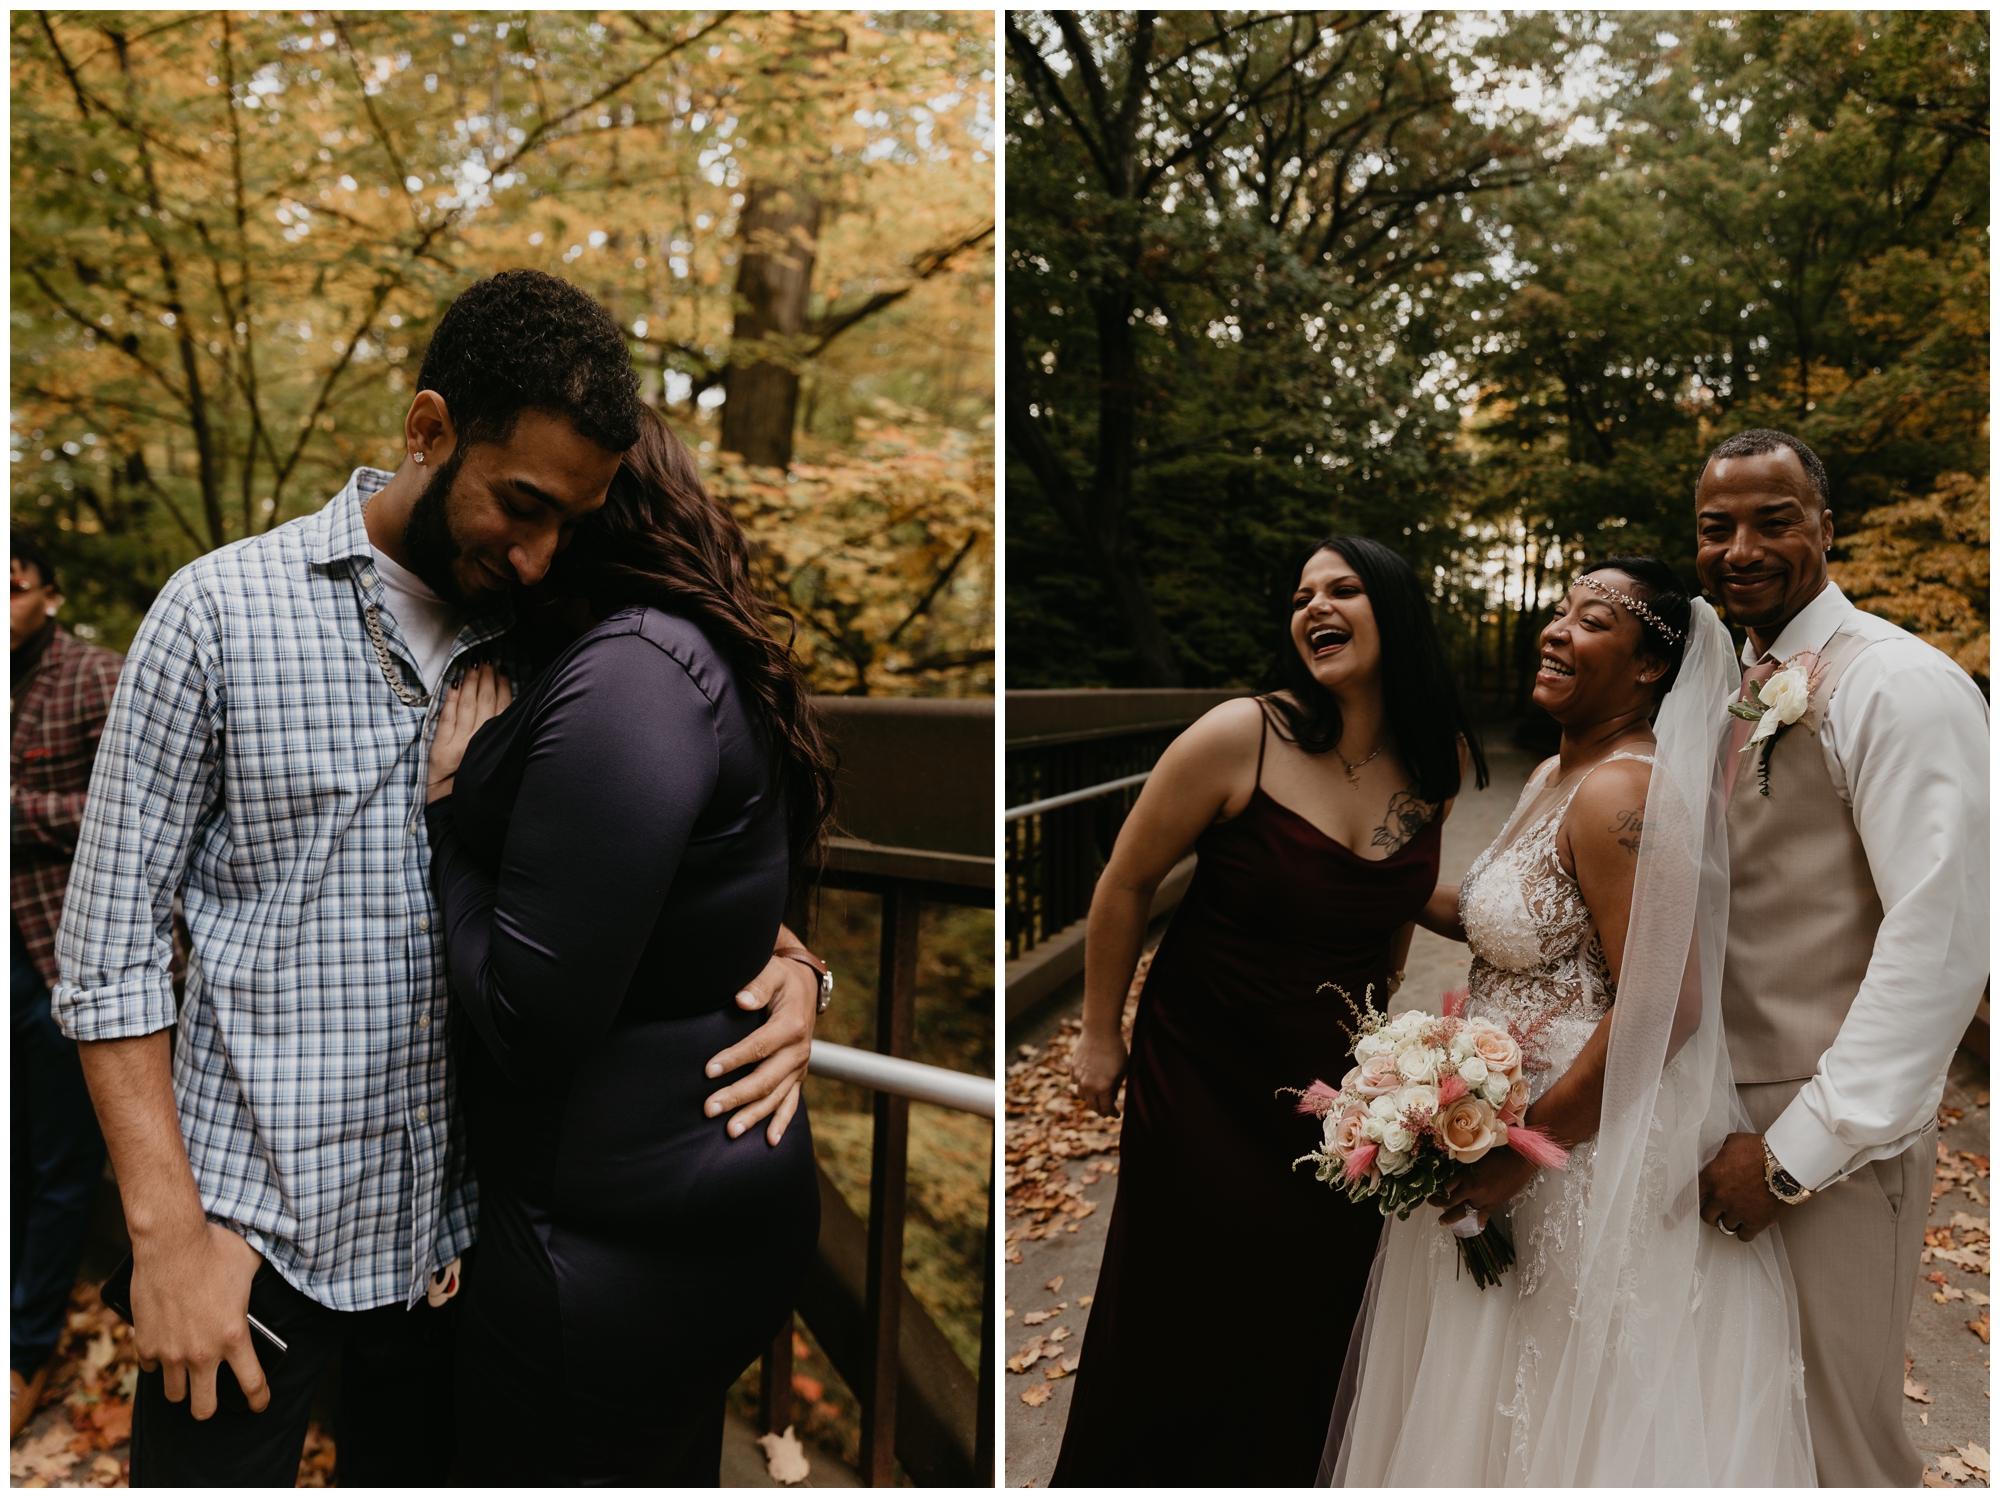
{"type": "Point", "coordinates": [1431, 1099]}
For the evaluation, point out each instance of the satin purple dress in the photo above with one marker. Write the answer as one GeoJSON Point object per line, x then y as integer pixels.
{"type": "Point", "coordinates": [1230, 1281]}
{"type": "Point", "coordinates": [612, 868]}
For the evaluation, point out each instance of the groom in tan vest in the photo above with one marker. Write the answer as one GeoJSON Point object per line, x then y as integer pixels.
{"type": "Point", "coordinates": [1857, 938]}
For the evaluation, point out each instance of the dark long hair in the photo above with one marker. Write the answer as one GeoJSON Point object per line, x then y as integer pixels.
{"type": "Point", "coordinates": [662, 539]}
{"type": "Point", "coordinates": [1419, 697]}
{"type": "Point", "coordinates": [1661, 590]}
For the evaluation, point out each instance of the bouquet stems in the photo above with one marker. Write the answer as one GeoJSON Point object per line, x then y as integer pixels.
{"type": "Point", "coordinates": [1488, 1255]}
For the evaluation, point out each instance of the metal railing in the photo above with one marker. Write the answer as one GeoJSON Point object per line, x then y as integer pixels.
{"type": "Point", "coordinates": [911, 1079]}
{"type": "Point", "coordinates": [915, 788]}
{"type": "Point", "coordinates": [1075, 763]}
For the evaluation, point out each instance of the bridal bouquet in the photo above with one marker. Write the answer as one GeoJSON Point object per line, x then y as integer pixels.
{"type": "Point", "coordinates": [1430, 1095]}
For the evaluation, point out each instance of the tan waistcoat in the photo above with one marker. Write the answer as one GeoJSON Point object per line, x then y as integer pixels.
{"type": "Point", "coordinates": [1802, 905]}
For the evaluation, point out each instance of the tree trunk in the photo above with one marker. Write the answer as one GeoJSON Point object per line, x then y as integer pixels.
{"type": "Point", "coordinates": [779, 230]}
{"type": "Point", "coordinates": [1096, 514]}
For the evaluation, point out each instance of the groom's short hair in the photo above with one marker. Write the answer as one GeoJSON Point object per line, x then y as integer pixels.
{"type": "Point", "coordinates": [1760, 440]}
{"type": "Point", "coordinates": [525, 340]}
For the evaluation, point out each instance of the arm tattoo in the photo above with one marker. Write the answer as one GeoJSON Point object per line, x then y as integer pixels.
{"type": "Point", "coordinates": [1633, 825]}
{"type": "Point", "coordinates": [1405, 818]}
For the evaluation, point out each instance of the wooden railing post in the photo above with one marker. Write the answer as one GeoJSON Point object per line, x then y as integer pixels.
{"type": "Point", "coordinates": [982, 1446]}
{"type": "Point", "coordinates": [774, 1381]}
{"type": "Point", "coordinates": [895, 1010]}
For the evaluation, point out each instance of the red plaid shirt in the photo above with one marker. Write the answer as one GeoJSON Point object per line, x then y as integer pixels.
{"type": "Point", "coordinates": [58, 715]}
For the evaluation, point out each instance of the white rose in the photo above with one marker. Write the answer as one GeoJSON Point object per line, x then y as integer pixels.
{"type": "Point", "coordinates": [1461, 1045]}
{"type": "Point", "coordinates": [1785, 696]}
{"type": "Point", "coordinates": [1417, 1063]}
{"type": "Point", "coordinates": [1372, 1045]}
{"type": "Point", "coordinates": [1391, 1164]}
{"type": "Point", "coordinates": [1472, 1071]}
{"type": "Point", "coordinates": [1371, 1129]}
{"type": "Point", "coordinates": [1396, 1139]}
{"type": "Point", "coordinates": [1383, 1107]}
{"type": "Point", "coordinates": [1423, 1099]}
{"type": "Point", "coordinates": [1495, 1088]}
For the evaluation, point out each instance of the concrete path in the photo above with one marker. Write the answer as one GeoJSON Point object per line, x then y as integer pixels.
{"type": "Point", "coordinates": [1058, 1156]}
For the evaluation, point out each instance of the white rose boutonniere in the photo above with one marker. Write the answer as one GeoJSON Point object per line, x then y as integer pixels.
{"type": "Point", "coordinates": [1779, 702]}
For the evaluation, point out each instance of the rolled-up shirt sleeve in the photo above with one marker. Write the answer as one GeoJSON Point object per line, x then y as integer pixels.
{"type": "Point", "coordinates": [1908, 732]}
{"type": "Point", "coordinates": [157, 772]}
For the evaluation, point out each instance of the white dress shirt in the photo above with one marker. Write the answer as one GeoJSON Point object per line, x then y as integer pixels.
{"type": "Point", "coordinates": [1906, 743]}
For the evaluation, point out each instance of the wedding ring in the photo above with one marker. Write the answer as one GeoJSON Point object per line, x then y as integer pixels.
{"type": "Point", "coordinates": [1729, 1231]}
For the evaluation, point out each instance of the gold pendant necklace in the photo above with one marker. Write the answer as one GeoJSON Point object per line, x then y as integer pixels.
{"type": "Point", "coordinates": [1353, 770]}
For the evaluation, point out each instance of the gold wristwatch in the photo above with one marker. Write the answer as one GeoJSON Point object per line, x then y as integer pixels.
{"type": "Point", "coordinates": [1780, 1182]}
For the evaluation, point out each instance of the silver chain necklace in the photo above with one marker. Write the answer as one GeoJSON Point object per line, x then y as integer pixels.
{"type": "Point", "coordinates": [1354, 770]}
{"type": "Point", "coordinates": [388, 662]}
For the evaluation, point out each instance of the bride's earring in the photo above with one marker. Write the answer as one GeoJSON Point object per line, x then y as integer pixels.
{"type": "Point", "coordinates": [418, 456]}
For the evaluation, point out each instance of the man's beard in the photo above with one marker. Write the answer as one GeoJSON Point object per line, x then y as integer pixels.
{"type": "Point", "coordinates": [428, 542]}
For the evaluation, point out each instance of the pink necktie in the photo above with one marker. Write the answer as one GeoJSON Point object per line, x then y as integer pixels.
{"type": "Point", "coordinates": [1740, 729]}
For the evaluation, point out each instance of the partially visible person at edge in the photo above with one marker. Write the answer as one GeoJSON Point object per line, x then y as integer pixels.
{"type": "Point", "coordinates": [1316, 811]}
{"type": "Point", "coordinates": [62, 690]}
{"type": "Point", "coordinates": [297, 1150]}
{"type": "Point", "coordinates": [1858, 913]}
{"type": "Point", "coordinates": [612, 854]}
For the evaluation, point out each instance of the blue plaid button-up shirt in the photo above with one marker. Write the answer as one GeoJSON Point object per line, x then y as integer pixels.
{"type": "Point", "coordinates": [257, 760]}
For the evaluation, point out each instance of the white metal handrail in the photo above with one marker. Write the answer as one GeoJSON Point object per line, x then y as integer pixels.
{"type": "Point", "coordinates": [910, 1079]}
{"type": "Point", "coordinates": [1070, 798]}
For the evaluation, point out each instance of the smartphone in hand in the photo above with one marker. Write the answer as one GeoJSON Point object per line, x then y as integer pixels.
{"type": "Point", "coordinates": [116, 1292]}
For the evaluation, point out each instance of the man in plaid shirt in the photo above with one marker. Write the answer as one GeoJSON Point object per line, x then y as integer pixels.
{"type": "Point", "coordinates": [62, 690]}
{"type": "Point", "coordinates": [297, 1152]}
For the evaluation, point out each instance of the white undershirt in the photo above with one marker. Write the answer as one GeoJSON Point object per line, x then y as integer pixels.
{"type": "Point", "coordinates": [428, 624]}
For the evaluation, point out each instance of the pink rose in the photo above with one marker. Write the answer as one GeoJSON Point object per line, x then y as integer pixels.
{"type": "Point", "coordinates": [1516, 1105]}
{"type": "Point", "coordinates": [1345, 1136]}
{"type": "Point", "coordinates": [1467, 1130]}
{"type": "Point", "coordinates": [1499, 1050]}
{"type": "Point", "coordinates": [1376, 1077]}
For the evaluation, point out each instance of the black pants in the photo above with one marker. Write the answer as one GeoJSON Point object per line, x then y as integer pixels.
{"type": "Point", "coordinates": [392, 1425]}
{"type": "Point", "coordinates": [58, 1159]}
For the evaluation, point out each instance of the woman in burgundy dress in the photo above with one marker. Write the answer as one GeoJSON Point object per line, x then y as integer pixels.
{"type": "Point", "coordinates": [1230, 1282]}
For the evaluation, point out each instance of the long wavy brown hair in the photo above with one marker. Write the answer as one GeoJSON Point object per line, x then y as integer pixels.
{"type": "Point", "coordinates": [662, 539]}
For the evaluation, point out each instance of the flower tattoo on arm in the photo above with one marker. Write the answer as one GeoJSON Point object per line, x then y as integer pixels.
{"type": "Point", "coordinates": [1405, 818]}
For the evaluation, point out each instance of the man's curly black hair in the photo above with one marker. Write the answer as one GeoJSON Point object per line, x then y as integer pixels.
{"type": "Point", "coordinates": [524, 340]}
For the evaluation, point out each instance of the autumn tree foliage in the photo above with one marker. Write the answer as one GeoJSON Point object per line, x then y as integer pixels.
{"type": "Point", "coordinates": [1485, 287]}
{"type": "Point", "coordinates": [232, 232]}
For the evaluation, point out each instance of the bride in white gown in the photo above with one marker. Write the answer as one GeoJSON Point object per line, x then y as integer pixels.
{"type": "Point", "coordinates": [1629, 1345]}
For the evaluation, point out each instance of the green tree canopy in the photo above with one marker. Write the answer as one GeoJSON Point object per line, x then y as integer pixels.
{"type": "Point", "coordinates": [1657, 228]}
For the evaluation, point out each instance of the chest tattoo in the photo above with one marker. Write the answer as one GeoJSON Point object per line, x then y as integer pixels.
{"type": "Point", "coordinates": [1406, 817]}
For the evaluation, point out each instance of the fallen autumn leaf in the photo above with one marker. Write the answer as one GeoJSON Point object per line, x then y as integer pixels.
{"type": "Point", "coordinates": [785, 1458]}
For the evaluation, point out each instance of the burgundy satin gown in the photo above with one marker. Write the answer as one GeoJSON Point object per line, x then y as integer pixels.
{"type": "Point", "coordinates": [1230, 1281]}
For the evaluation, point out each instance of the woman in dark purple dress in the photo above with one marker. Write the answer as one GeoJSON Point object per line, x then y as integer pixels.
{"type": "Point", "coordinates": [612, 858]}
{"type": "Point", "coordinates": [1316, 813]}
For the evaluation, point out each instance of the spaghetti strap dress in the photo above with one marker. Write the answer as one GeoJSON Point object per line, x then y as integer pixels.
{"type": "Point", "coordinates": [1230, 1281]}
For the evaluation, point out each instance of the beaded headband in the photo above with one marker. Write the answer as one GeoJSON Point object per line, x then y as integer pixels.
{"type": "Point", "coordinates": [1639, 609]}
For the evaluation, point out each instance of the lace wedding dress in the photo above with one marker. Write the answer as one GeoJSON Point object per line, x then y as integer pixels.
{"type": "Point", "coordinates": [1630, 1344]}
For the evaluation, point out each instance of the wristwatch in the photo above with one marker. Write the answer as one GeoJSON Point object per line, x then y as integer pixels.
{"type": "Point", "coordinates": [800, 954]}
{"type": "Point", "coordinates": [1780, 1182]}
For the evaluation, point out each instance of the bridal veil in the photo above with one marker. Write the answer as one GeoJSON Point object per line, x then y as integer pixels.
{"type": "Point", "coordinates": [1675, 1360]}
